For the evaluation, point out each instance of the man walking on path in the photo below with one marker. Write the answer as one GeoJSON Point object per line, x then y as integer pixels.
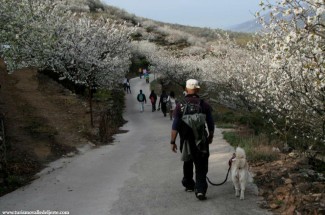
{"type": "Point", "coordinates": [141, 99]}
{"type": "Point", "coordinates": [153, 99]}
{"type": "Point", "coordinates": [163, 102]}
{"type": "Point", "coordinates": [125, 84]}
{"type": "Point", "coordinates": [194, 147]}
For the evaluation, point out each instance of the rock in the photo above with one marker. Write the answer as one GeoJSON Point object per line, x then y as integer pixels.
{"type": "Point", "coordinates": [296, 177]}
{"type": "Point", "coordinates": [288, 181]}
{"type": "Point", "coordinates": [284, 170]}
{"type": "Point", "coordinates": [287, 149]}
{"type": "Point", "coordinates": [308, 198]}
{"type": "Point", "coordinates": [274, 206]}
{"type": "Point", "coordinates": [91, 144]}
{"type": "Point", "coordinates": [293, 155]}
{"type": "Point", "coordinates": [275, 149]}
{"type": "Point", "coordinates": [317, 196]}
{"type": "Point", "coordinates": [264, 204]}
{"type": "Point", "coordinates": [281, 190]}
{"type": "Point", "coordinates": [278, 163]}
{"type": "Point", "coordinates": [70, 154]}
{"type": "Point", "coordinates": [303, 188]}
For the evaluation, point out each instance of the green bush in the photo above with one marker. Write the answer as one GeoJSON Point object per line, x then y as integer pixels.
{"type": "Point", "coordinates": [103, 95]}
{"type": "Point", "coordinates": [253, 120]}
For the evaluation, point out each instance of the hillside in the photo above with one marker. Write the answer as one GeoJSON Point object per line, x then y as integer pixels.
{"type": "Point", "coordinates": [160, 32]}
{"type": "Point", "coordinates": [247, 27]}
{"type": "Point", "coordinates": [43, 120]}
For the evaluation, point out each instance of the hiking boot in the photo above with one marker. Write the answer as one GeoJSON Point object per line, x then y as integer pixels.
{"type": "Point", "coordinates": [201, 196]}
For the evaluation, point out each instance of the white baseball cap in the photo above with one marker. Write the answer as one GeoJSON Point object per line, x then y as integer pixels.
{"type": "Point", "coordinates": [192, 84]}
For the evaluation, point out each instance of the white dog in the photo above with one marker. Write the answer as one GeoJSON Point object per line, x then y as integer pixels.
{"type": "Point", "coordinates": [239, 172]}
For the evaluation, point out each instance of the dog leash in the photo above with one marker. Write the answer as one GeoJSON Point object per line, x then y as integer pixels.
{"type": "Point", "coordinates": [230, 161]}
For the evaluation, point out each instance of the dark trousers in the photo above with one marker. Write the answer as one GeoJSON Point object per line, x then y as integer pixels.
{"type": "Point", "coordinates": [201, 170]}
{"type": "Point", "coordinates": [128, 89]}
{"type": "Point", "coordinates": [164, 108]}
{"type": "Point", "coordinates": [153, 106]}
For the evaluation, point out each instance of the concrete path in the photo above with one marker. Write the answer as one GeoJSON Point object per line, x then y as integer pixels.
{"type": "Point", "coordinates": [138, 174]}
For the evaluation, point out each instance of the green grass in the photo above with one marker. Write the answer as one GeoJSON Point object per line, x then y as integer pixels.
{"type": "Point", "coordinates": [256, 147]}
{"type": "Point", "coordinates": [225, 125]}
{"type": "Point", "coordinates": [279, 202]}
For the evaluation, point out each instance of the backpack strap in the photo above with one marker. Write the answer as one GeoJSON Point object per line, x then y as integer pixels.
{"type": "Point", "coordinates": [185, 104]}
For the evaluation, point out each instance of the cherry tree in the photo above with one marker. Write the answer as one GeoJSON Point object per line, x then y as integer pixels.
{"type": "Point", "coordinates": [46, 34]}
{"type": "Point", "coordinates": [281, 72]}
{"type": "Point", "coordinates": [294, 39]}
{"type": "Point", "coordinates": [95, 53]}
{"type": "Point", "coordinates": [30, 29]}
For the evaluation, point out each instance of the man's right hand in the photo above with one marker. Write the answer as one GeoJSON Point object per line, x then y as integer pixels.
{"type": "Point", "coordinates": [210, 139]}
{"type": "Point", "coordinates": [174, 147]}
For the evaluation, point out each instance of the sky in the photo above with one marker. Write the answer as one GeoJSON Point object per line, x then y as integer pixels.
{"type": "Point", "coordinates": [200, 13]}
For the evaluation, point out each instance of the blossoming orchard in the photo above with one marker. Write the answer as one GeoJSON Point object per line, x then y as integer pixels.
{"type": "Point", "coordinates": [279, 74]}
{"type": "Point", "coordinates": [47, 35]}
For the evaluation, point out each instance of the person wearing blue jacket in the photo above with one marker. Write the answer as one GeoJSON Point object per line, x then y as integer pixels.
{"type": "Point", "coordinates": [193, 154]}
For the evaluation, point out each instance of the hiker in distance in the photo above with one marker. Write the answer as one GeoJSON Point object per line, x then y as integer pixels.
{"type": "Point", "coordinates": [191, 113]}
{"type": "Point", "coordinates": [163, 102]}
{"type": "Point", "coordinates": [140, 72]}
{"type": "Point", "coordinates": [153, 99]}
{"type": "Point", "coordinates": [125, 84]}
{"type": "Point", "coordinates": [146, 76]}
{"type": "Point", "coordinates": [141, 99]}
{"type": "Point", "coordinates": [128, 87]}
{"type": "Point", "coordinates": [171, 104]}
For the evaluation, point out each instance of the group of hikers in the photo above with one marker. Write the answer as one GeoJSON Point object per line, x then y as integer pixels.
{"type": "Point", "coordinates": [166, 104]}
{"type": "Point", "coordinates": [145, 74]}
{"type": "Point", "coordinates": [142, 73]}
{"type": "Point", "coordinates": [192, 120]}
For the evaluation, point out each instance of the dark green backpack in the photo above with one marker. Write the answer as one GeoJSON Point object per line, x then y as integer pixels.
{"type": "Point", "coordinates": [193, 121]}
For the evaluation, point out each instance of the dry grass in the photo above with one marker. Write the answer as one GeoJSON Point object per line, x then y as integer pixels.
{"type": "Point", "coordinates": [257, 148]}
